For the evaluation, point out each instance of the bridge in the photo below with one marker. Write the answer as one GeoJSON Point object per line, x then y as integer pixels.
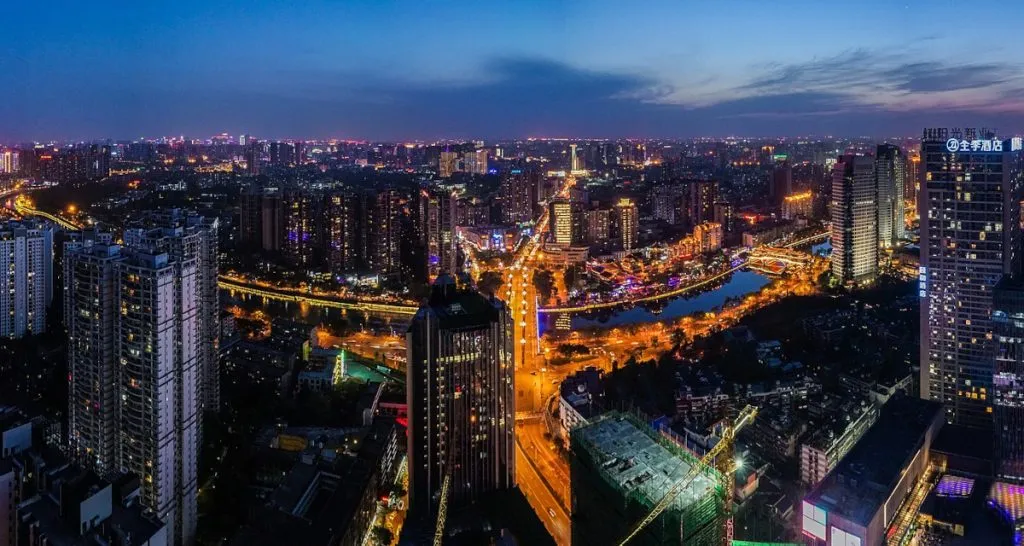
{"type": "Point", "coordinates": [238, 286]}
{"type": "Point", "coordinates": [776, 260]}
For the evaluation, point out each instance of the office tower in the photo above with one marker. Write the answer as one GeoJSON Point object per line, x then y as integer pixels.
{"type": "Point", "coordinates": [703, 194]}
{"type": "Point", "coordinates": [242, 139]}
{"type": "Point", "coordinates": [26, 278]}
{"type": "Point", "coordinates": [1008, 380]}
{"type": "Point", "coordinates": [890, 174]}
{"type": "Point", "coordinates": [782, 182]}
{"type": "Point", "coordinates": [970, 237]}
{"type": "Point", "coordinates": [574, 160]}
{"type": "Point", "coordinates": [437, 213]}
{"type": "Point", "coordinates": [723, 215]}
{"type": "Point", "coordinates": [475, 162]}
{"type": "Point", "coordinates": [460, 395]}
{"type": "Point", "coordinates": [518, 196]}
{"type": "Point", "coordinates": [447, 164]}
{"type": "Point", "coordinates": [561, 222]}
{"type": "Point", "coordinates": [301, 215]}
{"type": "Point", "coordinates": [628, 222]}
{"type": "Point", "coordinates": [344, 218]}
{"type": "Point", "coordinates": [854, 220]}
{"type": "Point", "coordinates": [186, 236]}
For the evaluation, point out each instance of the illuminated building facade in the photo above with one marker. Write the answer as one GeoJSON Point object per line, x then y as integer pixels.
{"type": "Point", "coordinates": [628, 222]}
{"type": "Point", "coordinates": [26, 278]}
{"type": "Point", "coordinates": [475, 162]}
{"type": "Point", "coordinates": [798, 205]}
{"type": "Point", "coordinates": [854, 220]}
{"type": "Point", "coordinates": [724, 215]}
{"type": "Point", "coordinates": [598, 222]}
{"type": "Point", "coordinates": [437, 214]}
{"type": "Point", "coordinates": [890, 176]}
{"type": "Point", "coordinates": [460, 396]}
{"type": "Point", "coordinates": [970, 236]}
{"type": "Point", "coordinates": [708, 236]}
{"type": "Point", "coordinates": [1008, 381]}
{"type": "Point", "coordinates": [519, 196]}
{"type": "Point", "coordinates": [561, 222]}
{"type": "Point", "coordinates": [703, 194]}
{"type": "Point", "coordinates": [301, 218]}
{"type": "Point", "coordinates": [447, 164]}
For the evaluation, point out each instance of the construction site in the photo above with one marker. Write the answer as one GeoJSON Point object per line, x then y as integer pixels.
{"type": "Point", "coordinates": [622, 469]}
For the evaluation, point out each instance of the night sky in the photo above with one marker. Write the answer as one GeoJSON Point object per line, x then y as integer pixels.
{"type": "Point", "coordinates": [426, 69]}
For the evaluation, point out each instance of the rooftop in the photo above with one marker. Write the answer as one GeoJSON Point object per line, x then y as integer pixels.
{"type": "Point", "coordinates": [864, 479]}
{"type": "Point", "coordinates": [632, 459]}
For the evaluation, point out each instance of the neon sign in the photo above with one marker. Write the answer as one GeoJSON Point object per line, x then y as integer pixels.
{"type": "Point", "coordinates": [976, 145]}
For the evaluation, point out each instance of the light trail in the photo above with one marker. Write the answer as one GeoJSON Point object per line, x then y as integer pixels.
{"type": "Point", "coordinates": [288, 295]}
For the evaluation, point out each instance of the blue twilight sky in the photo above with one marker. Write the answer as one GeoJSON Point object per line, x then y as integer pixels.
{"type": "Point", "coordinates": [390, 69]}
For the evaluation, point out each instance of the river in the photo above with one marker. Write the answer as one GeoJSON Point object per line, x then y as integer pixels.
{"type": "Point", "coordinates": [739, 284]}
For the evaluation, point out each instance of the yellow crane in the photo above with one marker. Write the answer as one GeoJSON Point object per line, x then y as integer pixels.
{"type": "Point", "coordinates": [442, 509]}
{"type": "Point", "coordinates": [721, 456]}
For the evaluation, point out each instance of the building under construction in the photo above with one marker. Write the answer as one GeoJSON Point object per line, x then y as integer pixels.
{"type": "Point", "coordinates": [621, 468]}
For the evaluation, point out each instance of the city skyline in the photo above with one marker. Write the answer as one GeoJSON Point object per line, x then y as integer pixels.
{"type": "Point", "coordinates": [409, 71]}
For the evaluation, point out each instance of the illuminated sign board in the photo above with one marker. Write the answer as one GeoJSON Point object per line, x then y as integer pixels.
{"type": "Point", "coordinates": [813, 521]}
{"type": "Point", "coordinates": [1016, 144]}
{"type": "Point", "coordinates": [986, 145]}
{"type": "Point", "coordinates": [842, 538]}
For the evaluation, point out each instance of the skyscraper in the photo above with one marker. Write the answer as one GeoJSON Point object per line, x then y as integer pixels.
{"type": "Point", "coordinates": [384, 232]}
{"type": "Point", "coordinates": [628, 222]}
{"type": "Point", "coordinates": [157, 346]}
{"type": "Point", "coordinates": [301, 220]}
{"type": "Point", "coordinates": [1008, 381]}
{"type": "Point", "coordinates": [475, 161]}
{"type": "Point", "coordinates": [598, 225]}
{"type": "Point", "coordinates": [970, 237]}
{"type": "Point", "coordinates": [461, 396]}
{"type": "Point", "coordinates": [143, 340]}
{"type": "Point", "coordinates": [782, 182]}
{"type": "Point", "coordinates": [890, 175]}
{"type": "Point", "coordinates": [26, 278]}
{"type": "Point", "coordinates": [854, 220]}
{"type": "Point", "coordinates": [344, 219]}
{"type": "Point", "coordinates": [437, 214]}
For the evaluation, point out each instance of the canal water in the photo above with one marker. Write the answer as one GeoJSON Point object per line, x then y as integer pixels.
{"type": "Point", "coordinates": [737, 285]}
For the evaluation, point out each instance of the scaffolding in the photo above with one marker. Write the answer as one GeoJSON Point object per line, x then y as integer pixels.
{"type": "Point", "coordinates": [622, 468]}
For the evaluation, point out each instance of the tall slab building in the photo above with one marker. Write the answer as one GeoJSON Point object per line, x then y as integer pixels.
{"type": "Point", "coordinates": [970, 237]}
{"type": "Point", "coordinates": [854, 220]}
{"type": "Point", "coordinates": [890, 176]}
{"type": "Point", "coordinates": [461, 396]}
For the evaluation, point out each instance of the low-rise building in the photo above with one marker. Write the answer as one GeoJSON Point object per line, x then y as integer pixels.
{"type": "Point", "coordinates": [324, 370]}
{"type": "Point", "coordinates": [580, 397]}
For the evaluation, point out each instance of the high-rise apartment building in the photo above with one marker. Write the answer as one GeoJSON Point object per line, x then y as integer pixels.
{"type": "Point", "coordinates": [598, 225]}
{"type": "Point", "coordinates": [157, 345]}
{"type": "Point", "coordinates": [724, 215]}
{"type": "Point", "coordinates": [475, 162]}
{"type": "Point", "coordinates": [890, 176]}
{"type": "Point", "coordinates": [302, 215]}
{"type": "Point", "coordinates": [1008, 380]}
{"type": "Point", "coordinates": [970, 237]}
{"type": "Point", "coordinates": [344, 219]}
{"type": "Point", "coordinates": [461, 396]}
{"type": "Point", "coordinates": [26, 278]}
{"type": "Point", "coordinates": [142, 356]}
{"type": "Point", "coordinates": [9, 162]}
{"type": "Point", "coordinates": [854, 220]}
{"type": "Point", "coordinates": [703, 194]}
{"type": "Point", "coordinates": [187, 235]}
{"type": "Point", "coordinates": [518, 196]}
{"type": "Point", "coordinates": [782, 182]}
{"type": "Point", "coordinates": [385, 232]}
{"type": "Point", "coordinates": [447, 164]}
{"type": "Point", "coordinates": [437, 214]}
{"type": "Point", "coordinates": [628, 222]}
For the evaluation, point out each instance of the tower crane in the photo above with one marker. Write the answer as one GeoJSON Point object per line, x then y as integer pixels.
{"type": "Point", "coordinates": [721, 456]}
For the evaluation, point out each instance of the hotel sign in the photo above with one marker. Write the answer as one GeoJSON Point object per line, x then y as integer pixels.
{"type": "Point", "coordinates": [974, 145]}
